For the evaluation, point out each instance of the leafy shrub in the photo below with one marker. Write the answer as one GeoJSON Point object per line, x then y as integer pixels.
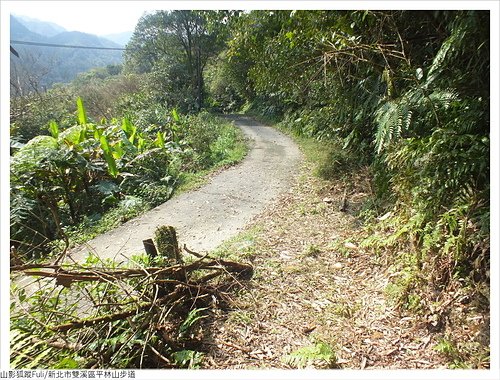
{"type": "Point", "coordinates": [225, 92]}
{"type": "Point", "coordinates": [84, 170]}
{"type": "Point", "coordinates": [30, 115]}
{"type": "Point", "coordinates": [224, 142]}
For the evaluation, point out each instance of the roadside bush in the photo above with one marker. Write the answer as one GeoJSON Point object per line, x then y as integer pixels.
{"type": "Point", "coordinates": [30, 115]}
{"type": "Point", "coordinates": [80, 174]}
{"type": "Point", "coordinates": [213, 141]}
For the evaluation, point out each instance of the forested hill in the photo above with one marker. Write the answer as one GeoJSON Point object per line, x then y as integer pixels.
{"type": "Point", "coordinates": [42, 66]}
{"type": "Point", "coordinates": [44, 28]}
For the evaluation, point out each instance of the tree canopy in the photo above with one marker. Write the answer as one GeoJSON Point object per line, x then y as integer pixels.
{"type": "Point", "coordinates": [175, 46]}
{"type": "Point", "coordinates": [407, 92]}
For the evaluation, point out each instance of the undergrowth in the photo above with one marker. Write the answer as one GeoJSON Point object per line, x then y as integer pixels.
{"type": "Point", "coordinates": [318, 355]}
{"type": "Point", "coordinates": [102, 314]}
{"type": "Point", "coordinates": [432, 258]}
{"type": "Point", "coordinates": [87, 179]}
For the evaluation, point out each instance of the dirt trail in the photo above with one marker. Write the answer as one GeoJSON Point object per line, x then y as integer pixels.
{"type": "Point", "coordinates": [310, 287]}
{"type": "Point", "coordinates": [206, 217]}
{"type": "Point", "coordinates": [313, 282]}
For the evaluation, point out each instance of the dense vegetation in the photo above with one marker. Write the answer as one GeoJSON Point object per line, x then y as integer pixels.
{"type": "Point", "coordinates": [72, 177]}
{"type": "Point", "coordinates": [78, 169]}
{"type": "Point", "coordinates": [405, 93]}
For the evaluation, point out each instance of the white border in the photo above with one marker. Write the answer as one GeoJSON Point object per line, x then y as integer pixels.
{"type": "Point", "coordinates": [4, 190]}
{"type": "Point", "coordinates": [492, 5]}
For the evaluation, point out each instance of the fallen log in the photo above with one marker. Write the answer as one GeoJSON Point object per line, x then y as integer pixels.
{"type": "Point", "coordinates": [166, 286]}
{"type": "Point", "coordinates": [65, 277]}
{"type": "Point", "coordinates": [159, 300]}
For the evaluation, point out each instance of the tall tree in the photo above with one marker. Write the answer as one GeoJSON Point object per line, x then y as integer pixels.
{"type": "Point", "coordinates": [177, 44]}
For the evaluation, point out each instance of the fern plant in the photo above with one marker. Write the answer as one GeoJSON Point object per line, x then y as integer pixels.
{"type": "Point", "coordinates": [193, 316]}
{"type": "Point", "coordinates": [395, 119]}
{"type": "Point", "coordinates": [392, 118]}
{"type": "Point", "coordinates": [319, 354]}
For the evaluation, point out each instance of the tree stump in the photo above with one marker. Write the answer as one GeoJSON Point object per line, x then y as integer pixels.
{"type": "Point", "coordinates": [149, 247]}
{"type": "Point", "coordinates": [167, 245]}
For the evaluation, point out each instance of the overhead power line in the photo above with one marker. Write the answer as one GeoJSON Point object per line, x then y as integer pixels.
{"type": "Point", "coordinates": [13, 51]}
{"type": "Point", "coordinates": [64, 46]}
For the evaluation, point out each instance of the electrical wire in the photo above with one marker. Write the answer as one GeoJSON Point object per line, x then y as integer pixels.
{"type": "Point", "coordinates": [64, 46]}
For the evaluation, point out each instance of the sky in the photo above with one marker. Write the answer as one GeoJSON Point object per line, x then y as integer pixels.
{"type": "Point", "coordinates": [108, 17]}
{"type": "Point", "coordinates": [95, 17]}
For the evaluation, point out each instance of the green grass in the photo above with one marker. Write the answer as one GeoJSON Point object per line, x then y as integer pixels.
{"type": "Point", "coordinates": [311, 251]}
{"type": "Point", "coordinates": [97, 224]}
{"type": "Point", "coordinates": [329, 159]}
{"type": "Point", "coordinates": [229, 149]}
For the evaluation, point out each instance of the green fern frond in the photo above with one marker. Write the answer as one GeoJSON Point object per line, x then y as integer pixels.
{"type": "Point", "coordinates": [392, 119]}
{"type": "Point", "coordinates": [193, 316]}
{"type": "Point", "coordinates": [450, 47]}
{"type": "Point", "coordinates": [307, 356]}
{"type": "Point", "coordinates": [443, 98]}
{"type": "Point", "coordinates": [28, 354]}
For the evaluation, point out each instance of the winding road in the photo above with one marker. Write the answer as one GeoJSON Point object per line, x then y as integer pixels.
{"type": "Point", "coordinates": [206, 217]}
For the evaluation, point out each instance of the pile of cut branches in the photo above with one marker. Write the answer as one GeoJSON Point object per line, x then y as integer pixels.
{"type": "Point", "coordinates": [143, 316]}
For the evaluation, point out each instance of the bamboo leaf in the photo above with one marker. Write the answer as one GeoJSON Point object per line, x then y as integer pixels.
{"type": "Point", "coordinates": [118, 151]}
{"type": "Point", "coordinates": [132, 136]}
{"type": "Point", "coordinates": [97, 133]}
{"type": "Point", "coordinates": [105, 144]}
{"type": "Point", "coordinates": [73, 135]}
{"type": "Point", "coordinates": [141, 143]}
{"type": "Point", "coordinates": [129, 129]}
{"type": "Point", "coordinates": [127, 126]}
{"type": "Point", "coordinates": [108, 156]}
{"type": "Point", "coordinates": [54, 129]}
{"type": "Point", "coordinates": [82, 116]}
{"type": "Point", "coordinates": [38, 359]}
{"type": "Point", "coordinates": [175, 115]}
{"type": "Point", "coordinates": [160, 140]}
{"type": "Point", "coordinates": [110, 160]}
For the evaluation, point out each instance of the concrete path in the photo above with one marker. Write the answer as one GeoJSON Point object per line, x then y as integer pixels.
{"type": "Point", "coordinates": [206, 217]}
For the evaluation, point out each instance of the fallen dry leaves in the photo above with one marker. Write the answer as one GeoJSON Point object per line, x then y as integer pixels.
{"type": "Point", "coordinates": [311, 283]}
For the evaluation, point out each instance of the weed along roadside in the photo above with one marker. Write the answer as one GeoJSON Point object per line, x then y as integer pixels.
{"type": "Point", "coordinates": [91, 177]}
{"type": "Point", "coordinates": [322, 295]}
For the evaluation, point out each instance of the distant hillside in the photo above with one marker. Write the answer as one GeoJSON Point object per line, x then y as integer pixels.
{"type": "Point", "coordinates": [18, 31]}
{"type": "Point", "coordinates": [41, 27]}
{"type": "Point", "coordinates": [43, 66]}
{"type": "Point", "coordinates": [120, 38]}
